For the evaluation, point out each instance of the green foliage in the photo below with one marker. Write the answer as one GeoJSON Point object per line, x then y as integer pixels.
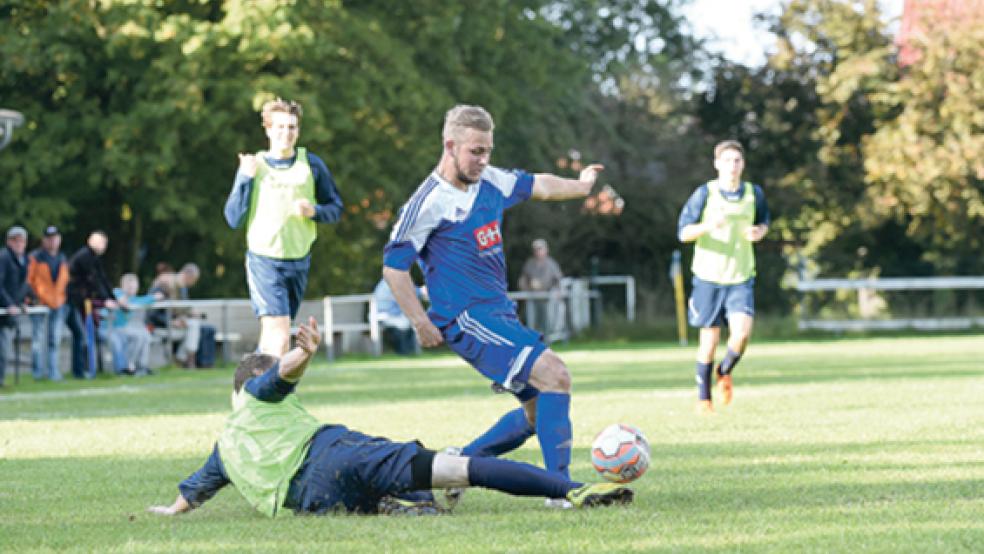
{"type": "Point", "coordinates": [923, 163]}
{"type": "Point", "coordinates": [136, 111]}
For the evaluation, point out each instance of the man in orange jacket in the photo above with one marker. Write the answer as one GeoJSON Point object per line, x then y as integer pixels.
{"type": "Point", "coordinates": [47, 274]}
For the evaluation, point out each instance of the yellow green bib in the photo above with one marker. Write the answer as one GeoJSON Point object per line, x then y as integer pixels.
{"type": "Point", "coordinates": [273, 230]}
{"type": "Point", "coordinates": [724, 256]}
{"type": "Point", "coordinates": [263, 445]}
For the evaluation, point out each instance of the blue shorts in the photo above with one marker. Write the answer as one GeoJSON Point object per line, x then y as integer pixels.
{"type": "Point", "coordinates": [348, 471]}
{"type": "Point", "coordinates": [491, 338]}
{"type": "Point", "coordinates": [276, 287]}
{"type": "Point", "coordinates": [711, 304]}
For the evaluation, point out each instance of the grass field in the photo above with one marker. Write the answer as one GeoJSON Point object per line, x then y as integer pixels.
{"type": "Point", "coordinates": [836, 446]}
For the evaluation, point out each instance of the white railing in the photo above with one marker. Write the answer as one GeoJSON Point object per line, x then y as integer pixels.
{"type": "Point", "coordinates": [890, 284]}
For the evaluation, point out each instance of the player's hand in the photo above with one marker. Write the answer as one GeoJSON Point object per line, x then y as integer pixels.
{"type": "Point", "coordinates": [308, 336]}
{"type": "Point", "coordinates": [716, 222]}
{"type": "Point", "coordinates": [111, 304]}
{"type": "Point", "coordinates": [590, 174]}
{"type": "Point", "coordinates": [303, 208]}
{"type": "Point", "coordinates": [14, 310]}
{"type": "Point", "coordinates": [428, 334]}
{"type": "Point", "coordinates": [247, 164]}
{"type": "Point", "coordinates": [162, 510]}
{"type": "Point", "coordinates": [755, 232]}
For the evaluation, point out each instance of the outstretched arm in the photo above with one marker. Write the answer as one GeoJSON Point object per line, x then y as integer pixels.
{"type": "Point", "coordinates": [180, 506]}
{"type": "Point", "coordinates": [551, 187]}
{"type": "Point", "coordinates": [293, 364]}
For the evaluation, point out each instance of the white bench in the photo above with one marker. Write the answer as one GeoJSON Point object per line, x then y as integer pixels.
{"type": "Point", "coordinates": [352, 317]}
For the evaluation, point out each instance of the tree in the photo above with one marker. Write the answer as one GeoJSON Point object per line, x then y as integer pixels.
{"type": "Point", "coordinates": [923, 163]}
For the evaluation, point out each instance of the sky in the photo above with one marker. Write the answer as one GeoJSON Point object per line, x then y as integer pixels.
{"type": "Point", "coordinates": [728, 25]}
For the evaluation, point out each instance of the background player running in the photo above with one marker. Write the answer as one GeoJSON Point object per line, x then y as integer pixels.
{"type": "Point", "coordinates": [724, 216]}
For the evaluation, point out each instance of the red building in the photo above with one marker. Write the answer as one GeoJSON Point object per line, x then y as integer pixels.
{"type": "Point", "coordinates": [921, 16]}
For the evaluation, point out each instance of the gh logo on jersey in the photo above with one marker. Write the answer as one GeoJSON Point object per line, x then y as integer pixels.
{"type": "Point", "coordinates": [488, 235]}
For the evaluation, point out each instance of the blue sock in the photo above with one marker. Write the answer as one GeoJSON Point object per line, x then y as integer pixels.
{"type": "Point", "coordinates": [729, 362]}
{"type": "Point", "coordinates": [517, 478]}
{"type": "Point", "coordinates": [553, 428]}
{"type": "Point", "coordinates": [704, 380]}
{"type": "Point", "coordinates": [508, 434]}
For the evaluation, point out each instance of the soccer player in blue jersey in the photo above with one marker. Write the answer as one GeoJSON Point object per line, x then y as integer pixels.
{"type": "Point", "coordinates": [452, 226]}
{"type": "Point", "coordinates": [723, 217]}
{"type": "Point", "coordinates": [279, 457]}
{"type": "Point", "coordinates": [280, 194]}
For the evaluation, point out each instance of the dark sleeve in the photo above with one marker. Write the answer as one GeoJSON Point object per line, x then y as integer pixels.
{"type": "Point", "coordinates": [762, 215]}
{"type": "Point", "coordinates": [270, 387]}
{"type": "Point", "coordinates": [5, 299]}
{"type": "Point", "coordinates": [329, 203]}
{"type": "Point", "coordinates": [692, 210]}
{"type": "Point", "coordinates": [204, 483]}
{"type": "Point", "coordinates": [102, 285]}
{"type": "Point", "coordinates": [237, 205]}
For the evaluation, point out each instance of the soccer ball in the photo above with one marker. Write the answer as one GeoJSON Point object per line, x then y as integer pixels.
{"type": "Point", "coordinates": [620, 453]}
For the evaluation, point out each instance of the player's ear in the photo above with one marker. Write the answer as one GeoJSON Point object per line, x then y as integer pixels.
{"type": "Point", "coordinates": [449, 146]}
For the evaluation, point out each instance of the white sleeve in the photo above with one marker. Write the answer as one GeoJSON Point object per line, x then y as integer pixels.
{"type": "Point", "coordinates": [418, 218]}
{"type": "Point", "coordinates": [503, 180]}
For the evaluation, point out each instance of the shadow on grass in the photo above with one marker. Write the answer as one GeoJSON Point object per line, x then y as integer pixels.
{"type": "Point", "coordinates": [207, 391]}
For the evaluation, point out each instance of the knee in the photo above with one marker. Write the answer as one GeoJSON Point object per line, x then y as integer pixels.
{"type": "Point", "coordinates": [550, 374]}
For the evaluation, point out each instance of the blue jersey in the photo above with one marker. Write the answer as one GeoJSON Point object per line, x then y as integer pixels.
{"type": "Point", "coordinates": [456, 237]}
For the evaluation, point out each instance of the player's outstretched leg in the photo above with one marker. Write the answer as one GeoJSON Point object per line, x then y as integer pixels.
{"type": "Point", "coordinates": [521, 479]}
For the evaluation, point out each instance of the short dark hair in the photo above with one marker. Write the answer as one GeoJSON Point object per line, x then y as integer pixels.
{"type": "Point", "coordinates": [280, 105]}
{"type": "Point", "coordinates": [720, 147]}
{"type": "Point", "coordinates": [251, 366]}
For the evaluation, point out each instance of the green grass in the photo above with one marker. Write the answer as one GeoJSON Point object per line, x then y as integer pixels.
{"type": "Point", "coordinates": [834, 446]}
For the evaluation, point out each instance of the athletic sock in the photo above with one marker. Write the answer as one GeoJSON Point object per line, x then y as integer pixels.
{"type": "Point", "coordinates": [729, 362]}
{"type": "Point", "coordinates": [508, 434]}
{"type": "Point", "coordinates": [517, 478]}
{"type": "Point", "coordinates": [553, 428]}
{"type": "Point", "coordinates": [704, 380]}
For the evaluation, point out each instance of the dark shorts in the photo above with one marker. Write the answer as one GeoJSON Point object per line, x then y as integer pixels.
{"type": "Point", "coordinates": [348, 471]}
{"type": "Point", "coordinates": [276, 287]}
{"type": "Point", "coordinates": [711, 304]}
{"type": "Point", "coordinates": [491, 338]}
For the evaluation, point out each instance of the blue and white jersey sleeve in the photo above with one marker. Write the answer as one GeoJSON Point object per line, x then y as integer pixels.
{"type": "Point", "coordinates": [516, 186]}
{"type": "Point", "coordinates": [417, 220]}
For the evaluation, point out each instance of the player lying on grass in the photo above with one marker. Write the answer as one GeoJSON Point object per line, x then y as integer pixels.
{"type": "Point", "coordinates": [277, 455]}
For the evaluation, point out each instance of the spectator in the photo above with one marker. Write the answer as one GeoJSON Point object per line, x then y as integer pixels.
{"type": "Point", "coordinates": [397, 330]}
{"type": "Point", "coordinates": [87, 281]}
{"type": "Point", "coordinates": [13, 288]}
{"type": "Point", "coordinates": [174, 286]}
{"type": "Point", "coordinates": [541, 273]}
{"type": "Point", "coordinates": [128, 337]}
{"type": "Point", "coordinates": [47, 274]}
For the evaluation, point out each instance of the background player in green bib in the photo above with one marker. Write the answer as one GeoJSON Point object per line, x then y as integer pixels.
{"type": "Point", "coordinates": [280, 194]}
{"type": "Point", "coordinates": [723, 217]}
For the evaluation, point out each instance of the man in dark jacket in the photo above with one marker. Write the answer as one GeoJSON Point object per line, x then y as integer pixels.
{"type": "Point", "coordinates": [13, 287]}
{"type": "Point", "coordinates": [88, 281]}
